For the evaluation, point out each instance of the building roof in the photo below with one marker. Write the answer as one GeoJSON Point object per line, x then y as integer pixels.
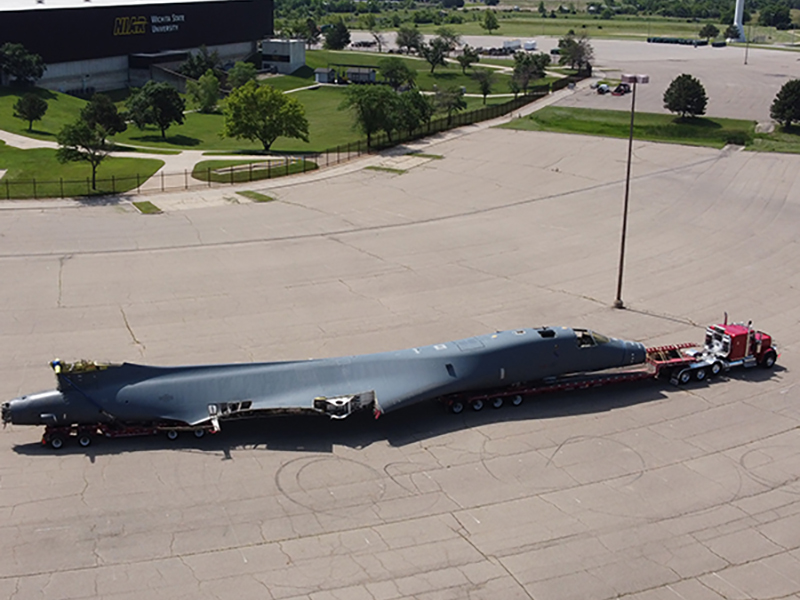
{"type": "Point", "coordinates": [45, 4]}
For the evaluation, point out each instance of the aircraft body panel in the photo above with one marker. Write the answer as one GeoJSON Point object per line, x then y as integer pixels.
{"type": "Point", "coordinates": [131, 393]}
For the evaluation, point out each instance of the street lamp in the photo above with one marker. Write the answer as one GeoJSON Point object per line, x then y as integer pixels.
{"type": "Point", "coordinates": [633, 80]}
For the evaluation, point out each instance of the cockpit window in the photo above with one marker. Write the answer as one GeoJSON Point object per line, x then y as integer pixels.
{"type": "Point", "coordinates": [587, 339]}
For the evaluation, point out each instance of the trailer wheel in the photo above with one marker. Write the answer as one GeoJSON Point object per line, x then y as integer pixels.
{"type": "Point", "coordinates": [685, 376]}
{"type": "Point", "coordinates": [716, 368]}
{"type": "Point", "coordinates": [198, 433]}
{"type": "Point", "coordinates": [456, 407]}
{"type": "Point", "coordinates": [700, 374]}
{"type": "Point", "coordinates": [497, 403]}
{"type": "Point", "coordinates": [172, 434]}
{"type": "Point", "coordinates": [477, 405]}
{"type": "Point", "coordinates": [769, 360]}
{"type": "Point", "coordinates": [84, 440]}
{"type": "Point", "coordinates": [516, 400]}
{"type": "Point", "coordinates": [56, 441]}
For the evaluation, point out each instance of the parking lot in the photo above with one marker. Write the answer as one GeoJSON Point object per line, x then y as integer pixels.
{"type": "Point", "coordinates": [645, 491]}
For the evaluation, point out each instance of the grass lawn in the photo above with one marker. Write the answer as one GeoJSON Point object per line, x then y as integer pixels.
{"type": "Point", "coordinates": [61, 109]}
{"type": "Point", "coordinates": [328, 127]}
{"type": "Point", "coordinates": [442, 77]}
{"type": "Point", "coordinates": [702, 131]}
{"type": "Point", "coordinates": [526, 24]}
{"type": "Point", "coordinates": [777, 141]}
{"type": "Point", "coordinates": [25, 166]}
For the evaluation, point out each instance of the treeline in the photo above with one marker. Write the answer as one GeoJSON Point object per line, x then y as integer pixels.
{"type": "Point", "coordinates": [774, 13]}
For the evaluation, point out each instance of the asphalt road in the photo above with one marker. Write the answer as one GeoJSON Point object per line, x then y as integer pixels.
{"type": "Point", "coordinates": [644, 491]}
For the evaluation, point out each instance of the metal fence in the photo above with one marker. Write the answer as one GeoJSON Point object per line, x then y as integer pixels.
{"type": "Point", "coordinates": [256, 169]}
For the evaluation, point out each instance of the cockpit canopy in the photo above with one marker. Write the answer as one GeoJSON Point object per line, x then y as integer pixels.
{"type": "Point", "coordinates": [588, 338]}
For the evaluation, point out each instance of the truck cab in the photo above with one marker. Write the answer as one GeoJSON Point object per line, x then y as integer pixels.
{"type": "Point", "coordinates": [736, 342]}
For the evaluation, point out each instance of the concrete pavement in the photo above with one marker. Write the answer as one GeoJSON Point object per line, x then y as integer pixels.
{"type": "Point", "coordinates": [644, 491]}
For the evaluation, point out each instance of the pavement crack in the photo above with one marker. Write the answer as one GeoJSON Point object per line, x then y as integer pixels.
{"type": "Point", "coordinates": [139, 344]}
{"type": "Point", "coordinates": [61, 261]}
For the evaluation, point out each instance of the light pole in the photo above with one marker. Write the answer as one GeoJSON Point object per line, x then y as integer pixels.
{"type": "Point", "coordinates": [633, 80]}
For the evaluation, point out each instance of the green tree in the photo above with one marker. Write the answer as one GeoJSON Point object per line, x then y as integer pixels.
{"type": "Point", "coordinates": [23, 66]}
{"type": "Point", "coordinates": [449, 37]}
{"type": "Point", "coordinates": [541, 10]}
{"type": "Point", "coordinates": [435, 53]}
{"type": "Point", "coordinates": [199, 62]}
{"type": "Point", "coordinates": [204, 93]}
{"type": "Point", "coordinates": [775, 15]}
{"type": "Point", "coordinates": [262, 113]}
{"type": "Point", "coordinates": [686, 95]}
{"type": "Point", "coordinates": [450, 101]}
{"type": "Point", "coordinates": [485, 79]}
{"type": "Point", "coordinates": [413, 110]}
{"type": "Point", "coordinates": [529, 66]}
{"type": "Point", "coordinates": [408, 38]}
{"type": "Point", "coordinates": [337, 37]}
{"type": "Point", "coordinates": [489, 22]}
{"type": "Point", "coordinates": [30, 108]}
{"type": "Point", "coordinates": [371, 25]}
{"type": "Point", "coordinates": [575, 52]}
{"type": "Point", "coordinates": [786, 106]}
{"type": "Point", "coordinates": [708, 31]}
{"type": "Point", "coordinates": [102, 112]}
{"type": "Point", "coordinates": [396, 72]}
{"type": "Point", "coordinates": [468, 56]}
{"type": "Point", "coordinates": [310, 32]}
{"type": "Point", "coordinates": [732, 32]}
{"type": "Point", "coordinates": [80, 142]}
{"type": "Point", "coordinates": [372, 106]}
{"type": "Point", "coordinates": [156, 104]}
{"type": "Point", "coordinates": [240, 73]}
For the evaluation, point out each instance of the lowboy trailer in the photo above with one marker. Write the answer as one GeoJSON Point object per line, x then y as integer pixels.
{"type": "Point", "coordinates": [726, 347]}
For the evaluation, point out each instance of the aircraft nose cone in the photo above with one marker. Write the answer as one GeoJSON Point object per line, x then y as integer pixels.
{"type": "Point", "coordinates": [6, 412]}
{"type": "Point", "coordinates": [636, 352]}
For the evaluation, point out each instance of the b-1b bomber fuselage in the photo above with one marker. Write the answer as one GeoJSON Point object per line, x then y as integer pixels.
{"type": "Point", "coordinates": [195, 396]}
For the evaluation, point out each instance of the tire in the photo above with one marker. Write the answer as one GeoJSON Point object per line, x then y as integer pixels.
{"type": "Point", "coordinates": [716, 369]}
{"type": "Point", "coordinates": [198, 433]}
{"type": "Point", "coordinates": [516, 400]}
{"type": "Point", "coordinates": [56, 441]}
{"type": "Point", "coordinates": [84, 440]}
{"type": "Point", "coordinates": [477, 405]}
{"type": "Point", "coordinates": [457, 407]}
{"type": "Point", "coordinates": [700, 374]}
{"type": "Point", "coordinates": [497, 403]}
{"type": "Point", "coordinates": [769, 360]}
{"type": "Point", "coordinates": [172, 434]}
{"type": "Point", "coordinates": [684, 376]}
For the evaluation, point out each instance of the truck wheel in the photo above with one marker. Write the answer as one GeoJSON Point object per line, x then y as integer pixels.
{"type": "Point", "coordinates": [684, 376]}
{"type": "Point", "coordinates": [198, 433]}
{"type": "Point", "coordinates": [456, 407]}
{"type": "Point", "coordinates": [172, 434]}
{"type": "Point", "coordinates": [497, 403]}
{"type": "Point", "coordinates": [85, 440]}
{"type": "Point", "coordinates": [716, 368]}
{"type": "Point", "coordinates": [700, 374]}
{"type": "Point", "coordinates": [769, 360]}
{"type": "Point", "coordinates": [516, 400]}
{"type": "Point", "coordinates": [56, 441]}
{"type": "Point", "coordinates": [477, 405]}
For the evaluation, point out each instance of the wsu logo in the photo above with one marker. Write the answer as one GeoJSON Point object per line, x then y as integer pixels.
{"type": "Point", "coordinates": [130, 25]}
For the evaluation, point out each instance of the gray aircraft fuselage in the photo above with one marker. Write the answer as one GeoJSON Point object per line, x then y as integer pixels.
{"type": "Point", "coordinates": [196, 395]}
